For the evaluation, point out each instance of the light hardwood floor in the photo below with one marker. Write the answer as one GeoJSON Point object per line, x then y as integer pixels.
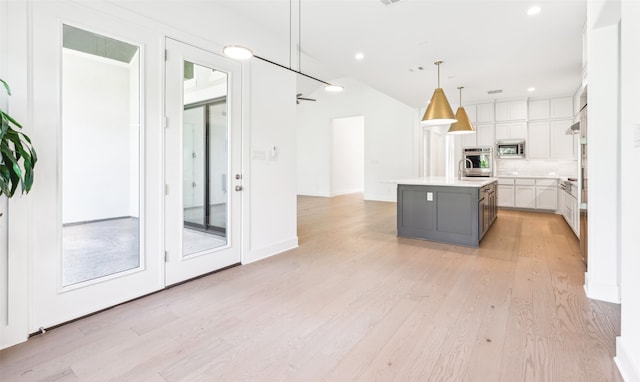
{"type": "Point", "coordinates": [354, 302]}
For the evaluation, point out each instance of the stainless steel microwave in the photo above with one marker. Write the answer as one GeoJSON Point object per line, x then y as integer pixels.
{"type": "Point", "coordinates": [510, 149]}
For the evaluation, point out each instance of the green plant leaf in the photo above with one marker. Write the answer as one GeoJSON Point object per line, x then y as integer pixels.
{"type": "Point", "coordinates": [6, 86]}
{"type": "Point", "coordinates": [17, 155]}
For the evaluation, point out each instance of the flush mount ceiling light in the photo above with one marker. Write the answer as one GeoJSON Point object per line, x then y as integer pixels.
{"type": "Point", "coordinates": [531, 89]}
{"type": "Point", "coordinates": [463, 126]}
{"type": "Point", "coordinates": [238, 52]}
{"type": "Point", "coordinates": [534, 10]}
{"type": "Point", "coordinates": [359, 56]}
{"type": "Point", "coordinates": [439, 111]}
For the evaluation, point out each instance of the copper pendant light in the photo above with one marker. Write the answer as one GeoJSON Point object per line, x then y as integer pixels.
{"type": "Point", "coordinates": [439, 111]}
{"type": "Point", "coordinates": [463, 126]}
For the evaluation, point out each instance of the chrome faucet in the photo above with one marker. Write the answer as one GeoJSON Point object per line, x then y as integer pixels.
{"type": "Point", "coordinates": [460, 162]}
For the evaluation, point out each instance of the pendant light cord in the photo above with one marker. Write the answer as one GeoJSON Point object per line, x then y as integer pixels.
{"type": "Point", "coordinates": [300, 35]}
{"type": "Point", "coordinates": [290, 33]}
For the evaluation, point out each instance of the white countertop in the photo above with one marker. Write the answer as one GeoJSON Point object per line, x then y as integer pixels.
{"type": "Point", "coordinates": [445, 181]}
{"type": "Point", "coordinates": [560, 178]}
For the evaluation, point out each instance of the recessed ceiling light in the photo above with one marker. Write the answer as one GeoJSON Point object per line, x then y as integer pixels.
{"type": "Point", "coordinates": [534, 10]}
{"type": "Point", "coordinates": [359, 56]}
{"type": "Point", "coordinates": [531, 89]}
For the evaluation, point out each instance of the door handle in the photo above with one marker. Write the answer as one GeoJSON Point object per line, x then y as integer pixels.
{"type": "Point", "coordinates": [239, 188]}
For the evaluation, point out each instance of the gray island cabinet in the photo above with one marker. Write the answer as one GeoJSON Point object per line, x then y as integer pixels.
{"type": "Point", "coordinates": [446, 210]}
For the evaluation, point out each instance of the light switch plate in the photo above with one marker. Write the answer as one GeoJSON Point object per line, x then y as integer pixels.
{"type": "Point", "coordinates": [258, 155]}
{"type": "Point", "coordinates": [430, 196]}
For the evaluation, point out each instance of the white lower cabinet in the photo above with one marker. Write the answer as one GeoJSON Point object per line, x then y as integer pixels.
{"type": "Point", "coordinates": [528, 193]}
{"type": "Point", "coordinates": [505, 192]}
{"type": "Point", "coordinates": [570, 211]}
{"type": "Point", "coordinates": [547, 194]}
{"type": "Point", "coordinates": [505, 196]}
{"type": "Point", "coordinates": [525, 197]}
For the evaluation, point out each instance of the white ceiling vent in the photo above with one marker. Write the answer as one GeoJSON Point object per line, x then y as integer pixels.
{"type": "Point", "coordinates": [389, 2]}
{"type": "Point", "coordinates": [497, 91]}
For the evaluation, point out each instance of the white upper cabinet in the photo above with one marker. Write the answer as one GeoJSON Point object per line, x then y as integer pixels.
{"type": "Point", "coordinates": [511, 111]}
{"type": "Point", "coordinates": [485, 112]}
{"type": "Point", "coordinates": [538, 142]}
{"type": "Point", "coordinates": [513, 130]}
{"type": "Point", "coordinates": [469, 140]}
{"type": "Point", "coordinates": [486, 136]}
{"type": "Point", "coordinates": [561, 107]}
{"type": "Point", "coordinates": [538, 109]}
{"type": "Point", "coordinates": [471, 112]}
{"type": "Point", "coordinates": [560, 144]}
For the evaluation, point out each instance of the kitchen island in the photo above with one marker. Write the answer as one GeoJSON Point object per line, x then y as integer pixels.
{"type": "Point", "coordinates": [446, 210]}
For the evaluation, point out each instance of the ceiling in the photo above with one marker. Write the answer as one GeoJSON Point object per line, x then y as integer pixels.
{"type": "Point", "coordinates": [485, 45]}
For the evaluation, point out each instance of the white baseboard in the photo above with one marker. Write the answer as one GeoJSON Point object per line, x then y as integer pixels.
{"type": "Point", "coordinates": [381, 198]}
{"type": "Point", "coordinates": [347, 192]}
{"type": "Point", "coordinates": [262, 253]}
{"type": "Point", "coordinates": [318, 194]}
{"type": "Point", "coordinates": [600, 291]}
{"type": "Point", "coordinates": [628, 369]}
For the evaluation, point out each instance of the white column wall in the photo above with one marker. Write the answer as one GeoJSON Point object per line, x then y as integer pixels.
{"type": "Point", "coordinates": [17, 280]}
{"type": "Point", "coordinates": [271, 170]}
{"type": "Point", "coordinates": [628, 344]}
{"type": "Point", "coordinates": [602, 277]}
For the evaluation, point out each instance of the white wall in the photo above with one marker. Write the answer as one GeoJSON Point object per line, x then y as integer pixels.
{"type": "Point", "coordinates": [603, 55]}
{"type": "Point", "coordinates": [628, 344]}
{"type": "Point", "coordinates": [96, 146]}
{"type": "Point", "coordinates": [392, 139]}
{"type": "Point", "coordinates": [269, 202]}
{"type": "Point", "coordinates": [347, 159]}
{"type": "Point", "coordinates": [271, 180]}
{"type": "Point", "coordinates": [4, 229]}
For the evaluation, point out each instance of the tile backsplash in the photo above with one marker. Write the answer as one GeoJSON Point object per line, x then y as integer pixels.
{"type": "Point", "coordinates": [536, 167]}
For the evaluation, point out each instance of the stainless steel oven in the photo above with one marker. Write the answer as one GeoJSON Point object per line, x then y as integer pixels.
{"type": "Point", "coordinates": [478, 161]}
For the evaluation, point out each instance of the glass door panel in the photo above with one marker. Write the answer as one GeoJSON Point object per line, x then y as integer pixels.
{"type": "Point", "coordinates": [100, 156]}
{"type": "Point", "coordinates": [205, 163]}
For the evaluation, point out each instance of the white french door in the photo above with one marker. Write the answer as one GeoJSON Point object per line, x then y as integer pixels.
{"type": "Point", "coordinates": [95, 225]}
{"type": "Point", "coordinates": [203, 162]}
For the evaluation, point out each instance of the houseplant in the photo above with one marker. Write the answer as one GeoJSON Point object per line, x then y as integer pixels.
{"type": "Point", "coordinates": [17, 155]}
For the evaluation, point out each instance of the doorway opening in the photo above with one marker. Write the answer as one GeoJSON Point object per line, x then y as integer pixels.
{"type": "Point", "coordinates": [347, 155]}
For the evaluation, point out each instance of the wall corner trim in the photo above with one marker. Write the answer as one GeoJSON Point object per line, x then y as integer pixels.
{"type": "Point", "coordinates": [601, 291]}
{"type": "Point", "coordinates": [271, 250]}
{"type": "Point", "coordinates": [624, 361]}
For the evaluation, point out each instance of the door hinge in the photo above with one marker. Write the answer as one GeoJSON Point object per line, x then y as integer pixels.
{"type": "Point", "coordinates": [166, 256]}
{"type": "Point", "coordinates": [166, 189]}
{"type": "Point", "coordinates": [165, 121]}
{"type": "Point", "coordinates": [165, 55]}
